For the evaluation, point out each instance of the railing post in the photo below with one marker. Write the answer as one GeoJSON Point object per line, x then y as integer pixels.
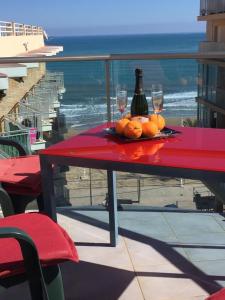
{"type": "Point", "coordinates": [13, 28]}
{"type": "Point", "coordinates": [107, 87]}
{"type": "Point", "coordinates": [24, 29]}
{"type": "Point", "coordinates": [91, 196]}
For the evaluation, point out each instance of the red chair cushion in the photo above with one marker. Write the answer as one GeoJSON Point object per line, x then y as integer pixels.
{"type": "Point", "coordinates": [21, 173]}
{"type": "Point", "coordinates": [220, 295]}
{"type": "Point", "coordinates": [52, 242]}
{"type": "Point", "coordinates": [15, 189]}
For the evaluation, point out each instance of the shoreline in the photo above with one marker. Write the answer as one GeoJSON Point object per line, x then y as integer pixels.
{"type": "Point", "coordinates": [177, 121]}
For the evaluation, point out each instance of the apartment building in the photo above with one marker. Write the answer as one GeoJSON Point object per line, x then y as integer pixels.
{"type": "Point", "coordinates": [211, 83]}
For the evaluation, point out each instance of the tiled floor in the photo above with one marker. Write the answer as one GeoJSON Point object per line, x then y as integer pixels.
{"type": "Point", "coordinates": [160, 256]}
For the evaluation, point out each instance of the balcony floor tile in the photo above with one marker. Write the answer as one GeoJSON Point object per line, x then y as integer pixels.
{"type": "Point", "coordinates": [160, 256]}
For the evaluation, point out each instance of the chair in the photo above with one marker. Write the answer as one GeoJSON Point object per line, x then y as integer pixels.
{"type": "Point", "coordinates": [31, 246]}
{"type": "Point", "coordinates": [20, 180]}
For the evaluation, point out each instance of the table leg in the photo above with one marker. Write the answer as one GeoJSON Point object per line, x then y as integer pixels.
{"type": "Point", "coordinates": [112, 198]}
{"type": "Point", "coordinates": [48, 188]}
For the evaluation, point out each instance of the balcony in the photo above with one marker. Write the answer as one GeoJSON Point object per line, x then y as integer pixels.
{"type": "Point", "coordinates": [211, 7]}
{"type": "Point", "coordinates": [4, 83]}
{"type": "Point", "coordinates": [18, 29]}
{"type": "Point", "coordinates": [211, 47]}
{"type": "Point", "coordinates": [14, 70]}
{"type": "Point", "coordinates": [36, 112]}
{"type": "Point", "coordinates": [168, 248]}
{"type": "Point", "coordinates": [161, 255]}
{"type": "Point", "coordinates": [25, 130]}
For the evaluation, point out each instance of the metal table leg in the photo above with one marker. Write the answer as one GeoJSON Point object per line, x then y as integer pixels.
{"type": "Point", "coordinates": [113, 223]}
{"type": "Point", "coordinates": [48, 188]}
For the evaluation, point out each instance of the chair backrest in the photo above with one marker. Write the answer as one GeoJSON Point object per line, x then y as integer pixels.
{"type": "Point", "coordinates": [42, 242]}
{"type": "Point", "coordinates": [18, 140]}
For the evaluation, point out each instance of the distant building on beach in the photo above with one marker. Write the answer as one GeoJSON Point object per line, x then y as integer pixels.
{"type": "Point", "coordinates": [29, 94]}
{"type": "Point", "coordinates": [211, 85]}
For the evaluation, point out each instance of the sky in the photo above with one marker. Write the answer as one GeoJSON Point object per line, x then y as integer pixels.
{"type": "Point", "coordinates": [96, 17]}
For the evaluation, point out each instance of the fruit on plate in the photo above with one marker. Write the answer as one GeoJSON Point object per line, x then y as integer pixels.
{"type": "Point", "coordinates": [138, 126]}
{"type": "Point", "coordinates": [127, 116]}
{"type": "Point", "coordinates": [140, 119]}
{"type": "Point", "coordinates": [158, 120]}
{"type": "Point", "coordinates": [133, 130]}
{"type": "Point", "coordinates": [120, 125]}
{"type": "Point", "coordinates": [149, 129]}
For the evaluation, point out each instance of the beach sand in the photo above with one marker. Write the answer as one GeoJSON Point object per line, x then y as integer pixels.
{"type": "Point", "coordinates": [132, 189]}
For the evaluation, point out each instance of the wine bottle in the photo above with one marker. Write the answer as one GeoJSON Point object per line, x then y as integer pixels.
{"type": "Point", "coordinates": [139, 104]}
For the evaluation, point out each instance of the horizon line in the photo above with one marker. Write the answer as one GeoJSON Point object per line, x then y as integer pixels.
{"type": "Point", "coordinates": [125, 34]}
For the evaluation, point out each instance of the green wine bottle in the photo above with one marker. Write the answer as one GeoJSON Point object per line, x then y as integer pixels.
{"type": "Point", "coordinates": [139, 104]}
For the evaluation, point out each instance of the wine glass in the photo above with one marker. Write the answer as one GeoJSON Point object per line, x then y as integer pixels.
{"type": "Point", "coordinates": [157, 98]}
{"type": "Point", "coordinates": [121, 100]}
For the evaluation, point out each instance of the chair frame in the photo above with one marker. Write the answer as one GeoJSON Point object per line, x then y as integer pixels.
{"type": "Point", "coordinates": [14, 204]}
{"type": "Point", "coordinates": [44, 283]}
{"type": "Point", "coordinates": [19, 147]}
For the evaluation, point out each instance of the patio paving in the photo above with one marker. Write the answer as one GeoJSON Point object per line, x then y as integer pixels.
{"type": "Point", "coordinates": [161, 255]}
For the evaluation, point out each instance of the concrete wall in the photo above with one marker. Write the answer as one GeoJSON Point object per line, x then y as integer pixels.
{"type": "Point", "coordinates": [14, 45]}
{"type": "Point", "coordinates": [17, 90]}
{"type": "Point", "coordinates": [216, 30]}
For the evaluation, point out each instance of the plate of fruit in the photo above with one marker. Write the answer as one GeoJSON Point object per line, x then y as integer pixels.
{"type": "Point", "coordinates": [141, 128]}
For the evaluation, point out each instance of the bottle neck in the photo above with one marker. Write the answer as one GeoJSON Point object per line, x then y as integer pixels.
{"type": "Point", "coordinates": [139, 85]}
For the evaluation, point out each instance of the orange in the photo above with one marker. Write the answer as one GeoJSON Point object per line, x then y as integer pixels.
{"type": "Point", "coordinates": [120, 125]}
{"type": "Point", "coordinates": [133, 130]}
{"type": "Point", "coordinates": [141, 119]}
{"type": "Point", "coordinates": [127, 116]}
{"type": "Point", "coordinates": [149, 129]}
{"type": "Point", "coordinates": [159, 120]}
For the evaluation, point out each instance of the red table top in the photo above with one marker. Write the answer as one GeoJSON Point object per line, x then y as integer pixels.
{"type": "Point", "coordinates": [193, 148]}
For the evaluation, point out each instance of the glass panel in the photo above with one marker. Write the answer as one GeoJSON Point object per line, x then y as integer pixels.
{"type": "Point", "coordinates": [179, 79]}
{"type": "Point", "coordinates": [212, 6]}
{"type": "Point", "coordinates": [84, 103]}
{"type": "Point", "coordinates": [57, 100]}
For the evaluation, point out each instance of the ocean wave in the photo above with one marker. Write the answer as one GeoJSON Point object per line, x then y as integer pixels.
{"type": "Point", "coordinates": [175, 104]}
{"type": "Point", "coordinates": [182, 95]}
{"type": "Point", "coordinates": [180, 99]}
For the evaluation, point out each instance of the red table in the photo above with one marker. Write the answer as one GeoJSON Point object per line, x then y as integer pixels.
{"type": "Point", "coordinates": [197, 153]}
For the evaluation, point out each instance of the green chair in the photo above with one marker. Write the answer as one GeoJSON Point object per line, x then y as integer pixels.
{"type": "Point", "coordinates": [31, 247]}
{"type": "Point", "coordinates": [20, 179]}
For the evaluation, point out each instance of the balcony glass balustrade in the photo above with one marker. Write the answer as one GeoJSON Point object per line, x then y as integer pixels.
{"type": "Point", "coordinates": [208, 7]}
{"type": "Point", "coordinates": [79, 92]}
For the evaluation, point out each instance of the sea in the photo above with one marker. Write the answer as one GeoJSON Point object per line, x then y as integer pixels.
{"type": "Point", "coordinates": [84, 102]}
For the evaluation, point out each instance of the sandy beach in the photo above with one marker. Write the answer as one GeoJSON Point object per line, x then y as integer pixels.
{"type": "Point", "coordinates": [131, 189]}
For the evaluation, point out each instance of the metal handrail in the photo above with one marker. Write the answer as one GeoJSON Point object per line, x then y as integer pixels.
{"type": "Point", "coordinates": [107, 58]}
{"type": "Point", "coordinates": [112, 57]}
